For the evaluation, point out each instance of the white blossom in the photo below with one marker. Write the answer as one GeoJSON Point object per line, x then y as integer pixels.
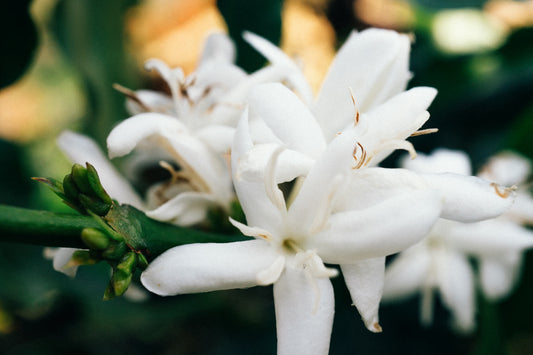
{"type": "Point", "coordinates": [293, 243]}
{"type": "Point", "coordinates": [441, 262]}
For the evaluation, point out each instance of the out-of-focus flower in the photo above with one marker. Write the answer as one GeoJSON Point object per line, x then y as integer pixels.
{"type": "Point", "coordinates": [155, 27]}
{"type": "Point", "coordinates": [465, 31]}
{"type": "Point", "coordinates": [292, 243]}
{"type": "Point", "coordinates": [308, 37]}
{"type": "Point", "coordinates": [393, 14]}
{"type": "Point", "coordinates": [440, 263]}
{"type": "Point", "coordinates": [514, 14]}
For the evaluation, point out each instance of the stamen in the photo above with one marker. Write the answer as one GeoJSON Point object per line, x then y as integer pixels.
{"type": "Point", "coordinates": [424, 131]}
{"type": "Point", "coordinates": [356, 115]}
{"type": "Point", "coordinates": [363, 156]}
{"type": "Point", "coordinates": [506, 190]}
{"type": "Point", "coordinates": [131, 95]}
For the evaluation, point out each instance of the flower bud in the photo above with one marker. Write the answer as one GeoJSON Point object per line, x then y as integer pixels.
{"type": "Point", "coordinates": [95, 239]}
{"type": "Point", "coordinates": [96, 185]}
{"type": "Point", "coordinates": [79, 175]}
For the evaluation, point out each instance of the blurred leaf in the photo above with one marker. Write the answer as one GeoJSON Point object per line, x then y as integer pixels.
{"type": "Point", "coordinates": [263, 17]}
{"type": "Point", "coordinates": [19, 40]}
{"type": "Point", "coordinates": [91, 33]}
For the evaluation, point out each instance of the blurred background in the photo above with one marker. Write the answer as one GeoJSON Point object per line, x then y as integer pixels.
{"type": "Point", "coordinates": [58, 63]}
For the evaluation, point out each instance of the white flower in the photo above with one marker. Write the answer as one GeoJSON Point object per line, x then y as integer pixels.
{"type": "Point", "coordinates": [373, 64]}
{"type": "Point", "coordinates": [292, 243]}
{"type": "Point", "coordinates": [440, 263]}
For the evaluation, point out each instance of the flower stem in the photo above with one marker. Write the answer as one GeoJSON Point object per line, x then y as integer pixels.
{"type": "Point", "coordinates": [21, 225]}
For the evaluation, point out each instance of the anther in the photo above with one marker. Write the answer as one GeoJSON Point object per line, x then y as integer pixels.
{"type": "Point", "coordinates": [506, 190]}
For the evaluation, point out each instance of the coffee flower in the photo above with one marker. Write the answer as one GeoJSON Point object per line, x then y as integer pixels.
{"type": "Point", "coordinates": [292, 243]}
{"type": "Point", "coordinates": [440, 263]}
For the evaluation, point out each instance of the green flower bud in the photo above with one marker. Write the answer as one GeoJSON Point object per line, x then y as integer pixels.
{"type": "Point", "coordinates": [127, 263]}
{"type": "Point", "coordinates": [96, 185]}
{"type": "Point", "coordinates": [115, 251]}
{"type": "Point", "coordinates": [79, 175]}
{"type": "Point", "coordinates": [142, 263]}
{"type": "Point", "coordinates": [121, 281]}
{"type": "Point", "coordinates": [70, 189]}
{"type": "Point", "coordinates": [95, 238]}
{"type": "Point", "coordinates": [94, 204]}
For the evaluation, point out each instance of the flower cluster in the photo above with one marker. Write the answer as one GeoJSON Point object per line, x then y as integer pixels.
{"type": "Point", "coordinates": [225, 135]}
{"type": "Point", "coordinates": [440, 263]}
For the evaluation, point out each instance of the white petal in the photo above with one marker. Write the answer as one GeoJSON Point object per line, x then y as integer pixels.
{"type": "Point", "coordinates": [489, 238]}
{"type": "Point", "coordinates": [257, 206]}
{"type": "Point", "coordinates": [440, 161]}
{"type": "Point", "coordinates": [315, 199]}
{"type": "Point", "coordinates": [407, 274]}
{"type": "Point", "coordinates": [383, 229]}
{"type": "Point", "coordinates": [153, 100]}
{"type": "Point", "coordinates": [507, 168]}
{"type": "Point", "coordinates": [365, 282]}
{"type": "Point", "coordinates": [218, 46]}
{"type": "Point", "coordinates": [207, 267]}
{"type": "Point", "coordinates": [456, 284]}
{"type": "Point", "coordinates": [369, 186]}
{"type": "Point", "coordinates": [468, 198]}
{"type": "Point", "coordinates": [186, 149]}
{"type": "Point", "coordinates": [186, 209]}
{"type": "Point", "coordinates": [304, 313]}
{"type": "Point", "coordinates": [498, 275]}
{"type": "Point", "coordinates": [81, 149]}
{"type": "Point", "coordinates": [128, 133]}
{"type": "Point", "coordinates": [288, 117]}
{"type": "Point", "coordinates": [395, 120]}
{"type": "Point", "coordinates": [374, 64]}
{"type": "Point", "coordinates": [290, 164]}
{"type": "Point", "coordinates": [218, 137]}
{"type": "Point", "coordinates": [277, 57]}
{"type": "Point", "coordinates": [62, 257]}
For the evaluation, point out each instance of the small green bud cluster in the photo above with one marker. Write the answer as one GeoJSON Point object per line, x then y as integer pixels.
{"type": "Point", "coordinates": [111, 247]}
{"type": "Point", "coordinates": [81, 190]}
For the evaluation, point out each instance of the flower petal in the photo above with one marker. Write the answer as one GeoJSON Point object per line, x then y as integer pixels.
{"type": "Point", "coordinates": [374, 64]}
{"type": "Point", "coordinates": [304, 313]}
{"type": "Point", "coordinates": [439, 161]}
{"type": "Point", "coordinates": [257, 206]}
{"type": "Point", "coordinates": [207, 267]}
{"type": "Point", "coordinates": [385, 228]}
{"type": "Point", "coordinates": [489, 238]}
{"type": "Point", "coordinates": [187, 150]}
{"type": "Point", "coordinates": [498, 275]}
{"type": "Point", "coordinates": [395, 120]}
{"type": "Point", "coordinates": [219, 47]}
{"type": "Point", "coordinates": [456, 284]}
{"type": "Point", "coordinates": [407, 273]}
{"type": "Point", "coordinates": [277, 57]}
{"type": "Point", "coordinates": [186, 209]}
{"type": "Point", "coordinates": [507, 168]}
{"type": "Point", "coordinates": [315, 199]}
{"type": "Point", "coordinates": [81, 149]}
{"type": "Point", "coordinates": [365, 282]}
{"type": "Point", "coordinates": [468, 198]}
{"type": "Point", "coordinates": [288, 118]}
{"type": "Point", "coordinates": [369, 186]}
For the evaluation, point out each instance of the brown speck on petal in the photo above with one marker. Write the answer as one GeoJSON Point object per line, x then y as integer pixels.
{"type": "Point", "coordinates": [377, 327]}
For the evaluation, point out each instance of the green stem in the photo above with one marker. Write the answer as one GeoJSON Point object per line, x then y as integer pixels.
{"type": "Point", "coordinates": [25, 226]}
{"type": "Point", "coordinates": [21, 225]}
